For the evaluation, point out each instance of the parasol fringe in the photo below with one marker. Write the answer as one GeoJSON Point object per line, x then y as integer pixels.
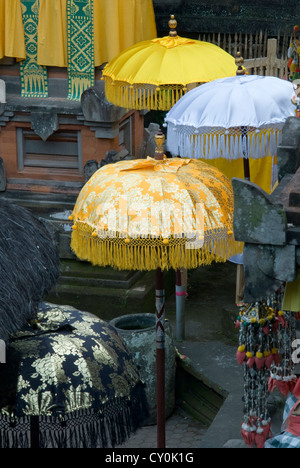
{"type": "Point", "coordinates": [221, 143]}
{"type": "Point", "coordinates": [110, 426]}
{"type": "Point", "coordinates": [146, 256]}
{"type": "Point", "coordinates": [141, 97]}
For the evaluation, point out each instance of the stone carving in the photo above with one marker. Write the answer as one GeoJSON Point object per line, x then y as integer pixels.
{"type": "Point", "coordinates": [44, 124]}
{"type": "Point", "coordinates": [111, 157]}
{"type": "Point", "coordinates": [96, 108]}
{"type": "Point", "coordinates": [270, 224]}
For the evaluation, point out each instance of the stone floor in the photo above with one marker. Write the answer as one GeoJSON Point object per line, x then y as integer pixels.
{"type": "Point", "coordinates": [182, 431]}
{"type": "Point", "coordinates": [210, 344]}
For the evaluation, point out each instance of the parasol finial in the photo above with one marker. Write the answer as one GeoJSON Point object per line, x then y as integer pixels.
{"type": "Point", "coordinates": [159, 150]}
{"type": "Point", "coordinates": [239, 61]}
{"type": "Point", "coordinates": [173, 25]}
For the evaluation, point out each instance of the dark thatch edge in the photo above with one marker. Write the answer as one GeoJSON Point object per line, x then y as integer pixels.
{"type": "Point", "coordinates": [29, 266]}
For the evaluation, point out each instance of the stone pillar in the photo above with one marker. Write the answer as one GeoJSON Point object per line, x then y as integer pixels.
{"type": "Point", "coordinates": [2, 96]}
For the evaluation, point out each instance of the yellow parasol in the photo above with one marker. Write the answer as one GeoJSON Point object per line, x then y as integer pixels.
{"type": "Point", "coordinates": [149, 213]}
{"type": "Point", "coordinates": [154, 74]}
{"type": "Point", "coordinates": [155, 214]}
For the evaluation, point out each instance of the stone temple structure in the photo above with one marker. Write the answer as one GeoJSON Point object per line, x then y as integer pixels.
{"type": "Point", "coordinates": [270, 225]}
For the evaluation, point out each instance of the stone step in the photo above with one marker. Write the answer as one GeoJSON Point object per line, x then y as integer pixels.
{"type": "Point", "coordinates": [106, 302]}
{"type": "Point", "coordinates": [195, 394]}
{"type": "Point", "coordinates": [114, 299]}
{"type": "Point", "coordinates": [75, 272]}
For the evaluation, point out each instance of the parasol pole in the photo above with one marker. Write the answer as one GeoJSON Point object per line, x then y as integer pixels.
{"type": "Point", "coordinates": [160, 330]}
{"type": "Point", "coordinates": [240, 272]}
{"type": "Point", "coordinates": [245, 158]}
{"type": "Point", "coordinates": [180, 305]}
{"type": "Point", "coordinates": [239, 72]}
{"type": "Point", "coordinates": [160, 359]}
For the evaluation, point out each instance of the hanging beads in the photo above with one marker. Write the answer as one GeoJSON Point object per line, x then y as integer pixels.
{"type": "Point", "coordinates": [266, 334]}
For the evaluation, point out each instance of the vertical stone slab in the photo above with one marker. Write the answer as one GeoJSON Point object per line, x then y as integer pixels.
{"type": "Point", "coordinates": [2, 176]}
{"type": "Point", "coordinates": [2, 96]}
{"type": "Point", "coordinates": [2, 92]}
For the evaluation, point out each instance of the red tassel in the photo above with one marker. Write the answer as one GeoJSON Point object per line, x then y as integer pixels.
{"type": "Point", "coordinates": [282, 321]}
{"type": "Point", "coordinates": [271, 385]}
{"type": "Point", "coordinates": [237, 324]}
{"type": "Point", "coordinates": [247, 436]}
{"type": "Point", "coordinates": [251, 362]}
{"type": "Point", "coordinates": [260, 362]}
{"type": "Point", "coordinates": [296, 390]}
{"type": "Point", "coordinates": [260, 440]}
{"type": "Point", "coordinates": [240, 357]}
{"type": "Point", "coordinates": [262, 435]}
{"type": "Point", "coordinates": [292, 384]}
{"type": "Point", "coordinates": [276, 359]}
{"type": "Point", "coordinates": [269, 360]}
{"type": "Point", "coordinates": [267, 429]}
{"type": "Point", "coordinates": [252, 435]}
{"type": "Point", "coordinates": [283, 387]}
{"type": "Point", "coordinates": [266, 329]}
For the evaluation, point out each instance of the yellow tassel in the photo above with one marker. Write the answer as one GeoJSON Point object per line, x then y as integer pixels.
{"type": "Point", "coordinates": [133, 97]}
{"type": "Point", "coordinates": [126, 254]}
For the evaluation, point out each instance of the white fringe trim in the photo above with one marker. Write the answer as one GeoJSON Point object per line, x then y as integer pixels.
{"type": "Point", "coordinates": [229, 144]}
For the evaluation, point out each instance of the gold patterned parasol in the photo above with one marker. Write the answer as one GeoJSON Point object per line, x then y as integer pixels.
{"type": "Point", "coordinates": [149, 213]}
{"type": "Point", "coordinates": [155, 214]}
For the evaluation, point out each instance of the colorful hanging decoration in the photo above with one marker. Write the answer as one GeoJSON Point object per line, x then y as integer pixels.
{"type": "Point", "coordinates": [296, 97]}
{"type": "Point", "coordinates": [266, 334]}
{"type": "Point", "coordinates": [34, 81]}
{"type": "Point", "coordinates": [81, 59]}
{"type": "Point", "coordinates": [282, 374]}
{"type": "Point", "coordinates": [294, 56]}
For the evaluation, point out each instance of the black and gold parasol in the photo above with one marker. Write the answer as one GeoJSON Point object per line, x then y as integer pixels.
{"type": "Point", "coordinates": [69, 382]}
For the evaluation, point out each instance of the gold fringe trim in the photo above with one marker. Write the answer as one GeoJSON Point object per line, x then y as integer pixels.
{"type": "Point", "coordinates": [33, 85]}
{"type": "Point", "coordinates": [141, 254]}
{"type": "Point", "coordinates": [142, 96]}
{"type": "Point", "coordinates": [77, 86]}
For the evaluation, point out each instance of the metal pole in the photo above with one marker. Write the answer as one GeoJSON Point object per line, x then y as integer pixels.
{"type": "Point", "coordinates": [246, 158]}
{"type": "Point", "coordinates": [240, 72]}
{"type": "Point", "coordinates": [180, 306]}
{"type": "Point", "coordinates": [160, 359]}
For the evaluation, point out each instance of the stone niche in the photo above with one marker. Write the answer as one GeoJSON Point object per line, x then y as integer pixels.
{"type": "Point", "coordinates": [46, 143]}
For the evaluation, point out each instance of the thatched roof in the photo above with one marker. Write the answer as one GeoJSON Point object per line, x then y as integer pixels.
{"type": "Point", "coordinates": [29, 266]}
